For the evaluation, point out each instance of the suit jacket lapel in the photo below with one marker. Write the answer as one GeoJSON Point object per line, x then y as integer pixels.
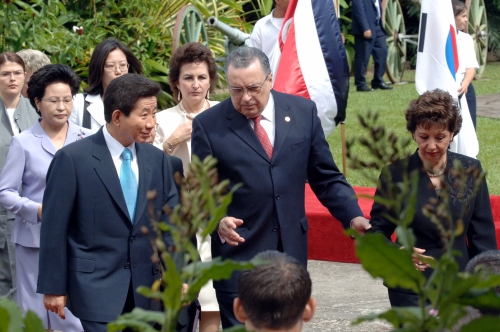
{"type": "Point", "coordinates": [4, 119]}
{"type": "Point", "coordinates": [145, 178]}
{"type": "Point", "coordinates": [241, 127]}
{"type": "Point", "coordinates": [107, 171]}
{"type": "Point", "coordinates": [281, 125]}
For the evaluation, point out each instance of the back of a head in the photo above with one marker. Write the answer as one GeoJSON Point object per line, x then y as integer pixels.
{"type": "Point", "coordinates": [274, 295]}
{"type": "Point", "coordinates": [33, 59]}
{"type": "Point", "coordinates": [124, 91]}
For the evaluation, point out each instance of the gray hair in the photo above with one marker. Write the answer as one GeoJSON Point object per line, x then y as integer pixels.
{"type": "Point", "coordinates": [33, 59]}
{"type": "Point", "coordinates": [244, 56]}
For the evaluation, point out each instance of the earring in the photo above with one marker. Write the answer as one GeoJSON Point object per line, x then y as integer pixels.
{"type": "Point", "coordinates": [179, 96]}
{"type": "Point", "coordinates": [208, 93]}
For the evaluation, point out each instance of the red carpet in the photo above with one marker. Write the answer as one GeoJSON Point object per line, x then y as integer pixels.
{"type": "Point", "coordinates": [327, 240]}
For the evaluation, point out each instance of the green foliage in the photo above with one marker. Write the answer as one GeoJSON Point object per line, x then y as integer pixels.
{"type": "Point", "coordinates": [11, 318]}
{"type": "Point", "coordinates": [447, 290]}
{"type": "Point", "coordinates": [148, 30]}
{"type": "Point", "coordinates": [203, 204]}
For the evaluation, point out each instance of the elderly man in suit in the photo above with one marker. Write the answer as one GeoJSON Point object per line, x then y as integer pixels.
{"type": "Point", "coordinates": [271, 142]}
{"type": "Point", "coordinates": [369, 39]}
{"type": "Point", "coordinates": [92, 251]}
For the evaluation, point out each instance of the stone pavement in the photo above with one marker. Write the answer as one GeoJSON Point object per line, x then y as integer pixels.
{"type": "Point", "coordinates": [488, 106]}
{"type": "Point", "coordinates": [344, 292]}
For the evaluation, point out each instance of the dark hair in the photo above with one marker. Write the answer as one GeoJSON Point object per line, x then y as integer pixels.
{"type": "Point", "coordinates": [244, 56]}
{"type": "Point", "coordinates": [275, 295]}
{"type": "Point", "coordinates": [99, 56]}
{"type": "Point", "coordinates": [191, 53]}
{"type": "Point", "coordinates": [50, 74]}
{"type": "Point", "coordinates": [434, 107]}
{"type": "Point", "coordinates": [124, 91]}
{"type": "Point", "coordinates": [458, 7]}
{"type": "Point", "coordinates": [12, 57]}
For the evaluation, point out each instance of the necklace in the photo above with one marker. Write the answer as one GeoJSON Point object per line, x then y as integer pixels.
{"type": "Point", "coordinates": [435, 175]}
{"type": "Point", "coordinates": [191, 116]}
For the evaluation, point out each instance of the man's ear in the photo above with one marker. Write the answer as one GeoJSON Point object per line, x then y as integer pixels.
{"type": "Point", "coordinates": [309, 310]}
{"type": "Point", "coordinates": [116, 117]}
{"type": "Point", "coordinates": [239, 311]}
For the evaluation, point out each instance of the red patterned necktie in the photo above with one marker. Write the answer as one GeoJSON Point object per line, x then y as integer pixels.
{"type": "Point", "coordinates": [262, 136]}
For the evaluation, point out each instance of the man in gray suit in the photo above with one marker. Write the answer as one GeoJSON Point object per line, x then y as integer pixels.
{"type": "Point", "coordinates": [24, 117]}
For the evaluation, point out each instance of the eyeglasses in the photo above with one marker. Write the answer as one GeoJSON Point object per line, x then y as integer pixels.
{"type": "Point", "coordinates": [6, 74]}
{"type": "Point", "coordinates": [54, 102]}
{"type": "Point", "coordinates": [111, 67]}
{"type": "Point", "coordinates": [250, 90]}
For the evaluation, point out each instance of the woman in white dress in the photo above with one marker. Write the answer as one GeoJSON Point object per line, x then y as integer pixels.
{"type": "Point", "coordinates": [110, 59]}
{"type": "Point", "coordinates": [192, 75]}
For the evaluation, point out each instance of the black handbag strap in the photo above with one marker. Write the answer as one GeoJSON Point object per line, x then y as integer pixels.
{"type": "Point", "coordinates": [86, 114]}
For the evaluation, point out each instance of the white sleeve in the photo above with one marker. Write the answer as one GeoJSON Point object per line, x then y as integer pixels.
{"type": "Point", "coordinates": [256, 36]}
{"type": "Point", "coordinates": [471, 60]}
{"type": "Point", "coordinates": [77, 111]}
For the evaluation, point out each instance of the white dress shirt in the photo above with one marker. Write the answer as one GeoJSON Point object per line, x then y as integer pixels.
{"type": "Point", "coordinates": [466, 56]}
{"type": "Point", "coordinates": [116, 149]}
{"type": "Point", "coordinates": [265, 35]}
{"type": "Point", "coordinates": [268, 119]}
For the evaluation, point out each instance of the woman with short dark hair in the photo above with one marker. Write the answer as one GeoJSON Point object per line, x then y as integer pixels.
{"type": "Point", "coordinates": [51, 91]}
{"type": "Point", "coordinates": [434, 119]}
{"type": "Point", "coordinates": [109, 60]}
{"type": "Point", "coordinates": [192, 76]}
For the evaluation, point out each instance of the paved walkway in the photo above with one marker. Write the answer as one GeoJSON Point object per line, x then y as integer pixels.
{"type": "Point", "coordinates": [344, 292]}
{"type": "Point", "coordinates": [488, 106]}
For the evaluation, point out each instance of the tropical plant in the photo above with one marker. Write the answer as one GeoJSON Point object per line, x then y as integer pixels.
{"type": "Point", "coordinates": [204, 203]}
{"type": "Point", "coordinates": [444, 296]}
{"type": "Point", "coordinates": [11, 318]}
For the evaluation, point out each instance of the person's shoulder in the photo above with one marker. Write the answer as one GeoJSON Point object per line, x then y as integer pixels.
{"type": "Point", "coordinates": [292, 100]}
{"type": "Point", "coordinates": [260, 23]}
{"type": "Point", "coordinates": [215, 112]}
{"type": "Point", "coordinates": [169, 112]}
{"type": "Point", "coordinates": [466, 161]}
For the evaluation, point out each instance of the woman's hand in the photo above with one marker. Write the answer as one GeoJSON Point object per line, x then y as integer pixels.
{"type": "Point", "coordinates": [39, 213]}
{"type": "Point", "coordinates": [181, 134]}
{"type": "Point", "coordinates": [417, 259]}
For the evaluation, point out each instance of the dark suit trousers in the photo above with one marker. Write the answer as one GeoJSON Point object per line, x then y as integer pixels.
{"type": "Point", "coordinates": [470, 95]}
{"type": "Point", "coordinates": [364, 48]}
{"type": "Point", "coordinates": [90, 326]}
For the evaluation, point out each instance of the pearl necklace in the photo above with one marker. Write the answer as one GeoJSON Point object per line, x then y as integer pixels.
{"type": "Point", "coordinates": [191, 116]}
{"type": "Point", "coordinates": [435, 175]}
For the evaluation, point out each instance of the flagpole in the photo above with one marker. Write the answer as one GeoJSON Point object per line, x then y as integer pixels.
{"type": "Point", "coordinates": [342, 129]}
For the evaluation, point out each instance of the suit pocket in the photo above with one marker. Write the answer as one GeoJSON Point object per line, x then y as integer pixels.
{"type": "Point", "coordinates": [305, 224]}
{"type": "Point", "coordinates": [81, 264]}
{"type": "Point", "coordinates": [301, 144]}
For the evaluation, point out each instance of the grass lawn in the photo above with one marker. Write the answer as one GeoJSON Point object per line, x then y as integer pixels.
{"type": "Point", "coordinates": [391, 106]}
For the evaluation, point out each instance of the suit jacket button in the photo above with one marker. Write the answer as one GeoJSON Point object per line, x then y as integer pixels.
{"type": "Point", "coordinates": [127, 266]}
{"type": "Point", "coordinates": [275, 228]}
{"type": "Point", "coordinates": [273, 166]}
{"type": "Point", "coordinates": [278, 196]}
{"type": "Point", "coordinates": [132, 239]}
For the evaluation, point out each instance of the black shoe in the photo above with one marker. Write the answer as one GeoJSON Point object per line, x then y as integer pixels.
{"type": "Point", "coordinates": [363, 88]}
{"type": "Point", "coordinates": [382, 86]}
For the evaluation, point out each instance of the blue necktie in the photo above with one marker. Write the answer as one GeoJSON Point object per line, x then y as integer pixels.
{"type": "Point", "coordinates": [128, 182]}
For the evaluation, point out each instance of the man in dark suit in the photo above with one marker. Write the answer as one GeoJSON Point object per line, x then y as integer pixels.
{"type": "Point", "coordinates": [369, 39]}
{"type": "Point", "coordinates": [271, 143]}
{"type": "Point", "coordinates": [92, 250]}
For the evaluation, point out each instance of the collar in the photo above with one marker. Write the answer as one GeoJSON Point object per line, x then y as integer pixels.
{"type": "Point", "coordinates": [93, 98]}
{"type": "Point", "coordinates": [115, 147]}
{"type": "Point", "coordinates": [268, 113]}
